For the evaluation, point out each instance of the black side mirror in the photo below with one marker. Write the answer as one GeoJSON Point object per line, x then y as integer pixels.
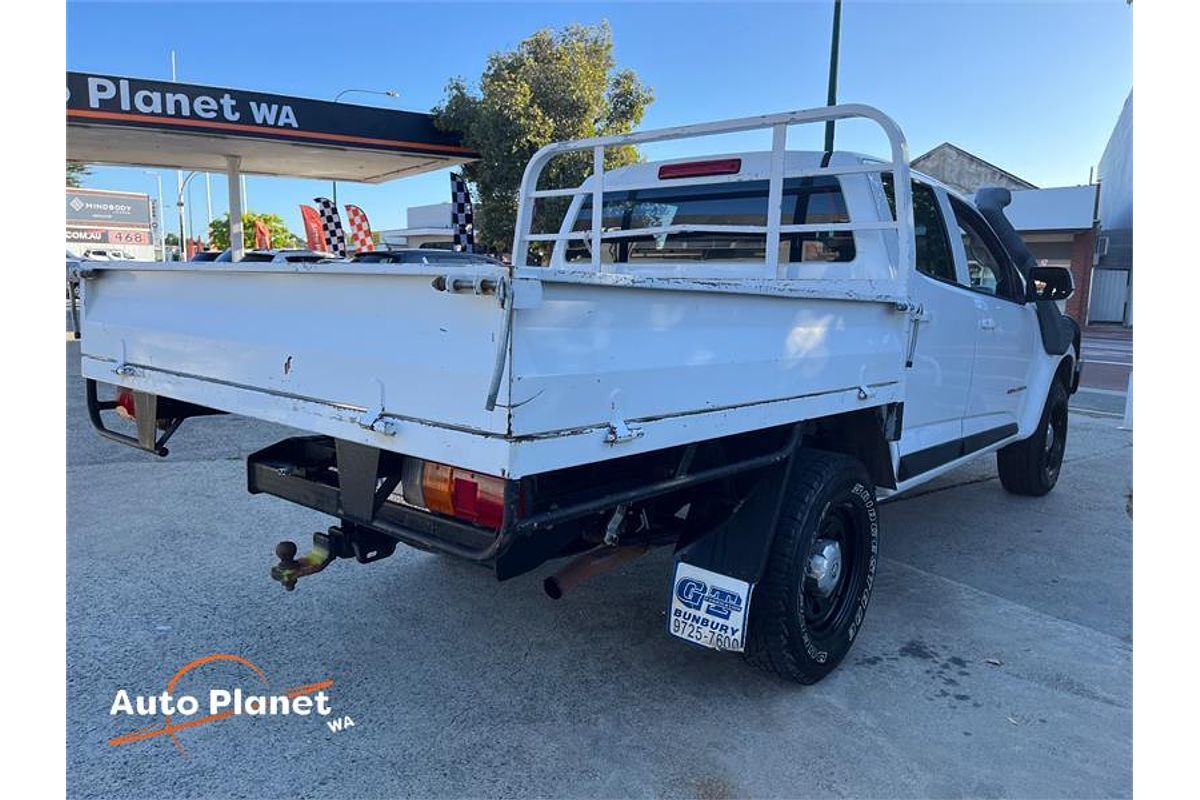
{"type": "Point", "coordinates": [1050, 283]}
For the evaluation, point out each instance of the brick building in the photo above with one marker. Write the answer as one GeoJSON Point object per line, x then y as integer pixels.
{"type": "Point", "coordinates": [1059, 227]}
{"type": "Point", "coordinates": [965, 172]}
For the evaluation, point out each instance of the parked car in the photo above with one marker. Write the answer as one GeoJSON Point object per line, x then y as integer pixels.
{"type": "Point", "coordinates": [280, 256]}
{"type": "Point", "coordinates": [73, 262]}
{"type": "Point", "coordinates": [107, 254]}
{"type": "Point", "coordinates": [206, 255]}
{"type": "Point", "coordinates": [424, 256]}
{"type": "Point", "coordinates": [736, 357]}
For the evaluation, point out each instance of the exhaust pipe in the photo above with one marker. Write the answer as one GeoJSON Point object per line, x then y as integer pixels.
{"type": "Point", "coordinates": [588, 565]}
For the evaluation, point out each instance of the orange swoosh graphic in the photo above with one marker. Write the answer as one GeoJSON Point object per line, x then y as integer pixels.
{"type": "Point", "coordinates": [309, 688]}
{"type": "Point", "coordinates": [138, 736]}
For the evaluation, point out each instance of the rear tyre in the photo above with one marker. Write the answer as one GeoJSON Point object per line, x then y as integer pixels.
{"type": "Point", "coordinates": [1031, 467]}
{"type": "Point", "coordinates": [810, 604]}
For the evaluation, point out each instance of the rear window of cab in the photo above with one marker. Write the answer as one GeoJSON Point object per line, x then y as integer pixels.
{"type": "Point", "coordinates": [806, 201]}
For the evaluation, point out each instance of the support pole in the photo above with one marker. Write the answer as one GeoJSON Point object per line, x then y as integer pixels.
{"type": "Point", "coordinates": [233, 175]}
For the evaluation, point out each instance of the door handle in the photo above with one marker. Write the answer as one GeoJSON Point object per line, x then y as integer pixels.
{"type": "Point", "coordinates": [988, 324]}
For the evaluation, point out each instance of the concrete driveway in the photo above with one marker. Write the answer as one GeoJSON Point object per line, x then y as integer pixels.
{"type": "Point", "coordinates": [995, 660]}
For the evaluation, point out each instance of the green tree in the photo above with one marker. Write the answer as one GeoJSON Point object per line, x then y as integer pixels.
{"type": "Point", "coordinates": [172, 240]}
{"type": "Point", "coordinates": [76, 172]}
{"type": "Point", "coordinates": [218, 231]}
{"type": "Point", "coordinates": [555, 85]}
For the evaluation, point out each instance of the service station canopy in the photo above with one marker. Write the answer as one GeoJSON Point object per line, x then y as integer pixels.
{"type": "Point", "coordinates": [136, 122]}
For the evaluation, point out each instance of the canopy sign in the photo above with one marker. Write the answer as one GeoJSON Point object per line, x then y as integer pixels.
{"type": "Point", "coordinates": [181, 107]}
{"type": "Point", "coordinates": [149, 123]}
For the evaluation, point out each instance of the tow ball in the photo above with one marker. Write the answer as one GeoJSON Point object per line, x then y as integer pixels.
{"type": "Point", "coordinates": [347, 541]}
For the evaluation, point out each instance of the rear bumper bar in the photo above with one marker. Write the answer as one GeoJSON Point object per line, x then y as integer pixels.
{"type": "Point", "coordinates": [307, 471]}
{"type": "Point", "coordinates": [356, 484]}
{"type": "Point", "coordinates": [154, 414]}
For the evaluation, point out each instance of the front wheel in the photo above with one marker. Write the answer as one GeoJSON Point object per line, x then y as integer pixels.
{"type": "Point", "coordinates": [810, 604]}
{"type": "Point", "coordinates": [1031, 467]}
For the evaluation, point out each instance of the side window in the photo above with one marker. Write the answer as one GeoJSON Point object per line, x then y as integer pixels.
{"type": "Point", "coordinates": [987, 264]}
{"type": "Point", "coordinates": [934, 257]}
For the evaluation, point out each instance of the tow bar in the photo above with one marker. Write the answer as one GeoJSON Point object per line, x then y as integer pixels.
{"type": "Point", "coordinates": [347, 541]}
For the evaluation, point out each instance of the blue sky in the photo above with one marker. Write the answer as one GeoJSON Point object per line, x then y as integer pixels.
{"type": "Point", "coordinates": [1034, 88]}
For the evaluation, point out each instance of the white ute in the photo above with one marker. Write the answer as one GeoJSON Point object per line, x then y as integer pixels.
{"type": "Point", "coordinates": [734, 356]}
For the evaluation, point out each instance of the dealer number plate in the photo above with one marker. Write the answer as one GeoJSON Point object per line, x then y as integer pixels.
{"type": "Point", "coordinates": [709, 609]}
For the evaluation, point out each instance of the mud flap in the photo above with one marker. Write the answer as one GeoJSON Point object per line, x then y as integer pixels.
{"type": "Point", "coordinates": [714, 575]}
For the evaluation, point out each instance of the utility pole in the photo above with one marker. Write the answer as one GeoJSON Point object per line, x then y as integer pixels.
{"type": "Point", "coordinates": [338, 98]}
{"type": "Point", "coordinates": [178, 181]}
{"type": "Point", "coordinates": [208, 201]}
{"type": "Point", "coordinates": [831, 98]}
{"type": "Point", "coordinates": [158, 219]}
{"type": "Point", "coordinates": [191, 211]}
{"type": "Point", "coordinates": [179, 203]}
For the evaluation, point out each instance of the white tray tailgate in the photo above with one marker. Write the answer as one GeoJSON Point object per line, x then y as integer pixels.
{"type": "Point", "coordinates": [323, 335]}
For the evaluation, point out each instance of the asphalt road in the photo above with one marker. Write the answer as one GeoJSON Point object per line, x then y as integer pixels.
{"type": "Point", "coordinates": [1107, 357]}
{"type": "Point", "coordinates": [1107, 364]}
{"type": "Point", "coordinates": [995, 660]}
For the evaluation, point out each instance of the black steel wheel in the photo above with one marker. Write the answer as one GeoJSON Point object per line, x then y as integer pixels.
{"type": "Point", "coordinates": [1032, 466]}
{"type": "Point", "coordinates": [809, 607]}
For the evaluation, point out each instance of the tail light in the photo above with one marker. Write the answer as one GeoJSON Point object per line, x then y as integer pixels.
{"type": "Point", "coordinates": [125, 407]}
{"type": "Point", "coordinates": [460, 493]}
{"type": "Point", "coordinates": [696, 169]}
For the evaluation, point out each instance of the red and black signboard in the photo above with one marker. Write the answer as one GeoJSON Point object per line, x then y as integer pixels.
{"type": "Point", "coordinates": [187, 108]}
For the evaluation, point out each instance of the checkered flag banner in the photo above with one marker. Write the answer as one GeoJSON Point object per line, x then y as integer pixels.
{"type": "Point", "coordinates": [360, 229]}
{"type": "Point", "coordinates": [462, 215]}
{"type": "Point", "coordinates": [331, 226]}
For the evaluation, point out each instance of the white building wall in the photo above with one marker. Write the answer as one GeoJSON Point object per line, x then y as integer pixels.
{"type": "Point", "coordinates": [436, 215]}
